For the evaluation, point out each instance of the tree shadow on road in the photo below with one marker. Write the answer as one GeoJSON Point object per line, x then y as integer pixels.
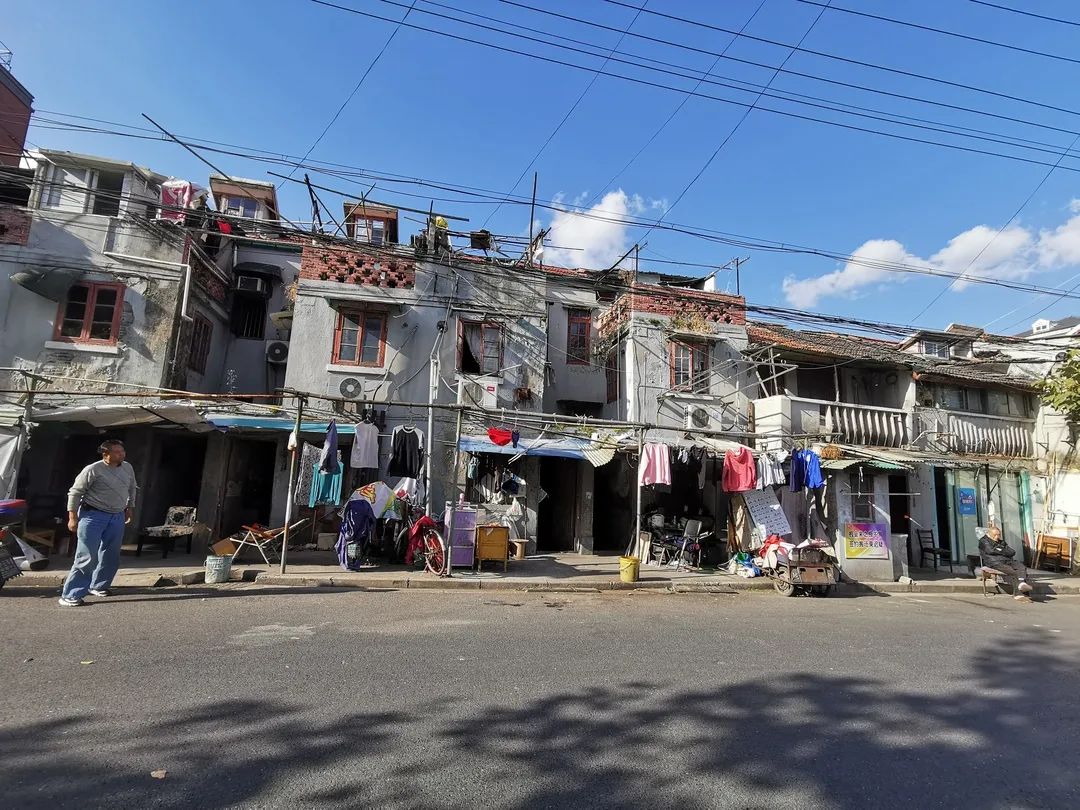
{"type": "Point", "coordinates": [990, 736]}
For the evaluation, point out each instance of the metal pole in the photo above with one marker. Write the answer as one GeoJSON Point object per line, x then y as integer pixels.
{"type": "Point", "coordinates": [454, 493]}
{"type": "Point", "coordinates": [532, 208]}
{"type": "Point", "coordinates": [637, 479]}
{"type": "Point", "coordinates": [294, 463]}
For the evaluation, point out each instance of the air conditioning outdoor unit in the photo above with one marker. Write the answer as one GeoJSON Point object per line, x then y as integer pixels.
{"type": "Point", "coordinates": [252, 284]}
{"type": "Point", "coordinates": [478, 392]}
{"type": "Point", "coordinates": [701, 418]}
{"type": "Point", "coordinates": [348, 388]}
{"type": "Point", "coordinates": [277, 351]}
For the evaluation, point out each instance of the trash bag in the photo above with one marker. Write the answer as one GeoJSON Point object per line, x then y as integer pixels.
{"type": "Point", "coordinates": [31, 559]}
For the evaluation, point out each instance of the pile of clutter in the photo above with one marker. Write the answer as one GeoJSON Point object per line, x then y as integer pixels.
{"type": "Point", "coordinates": [774, 553]}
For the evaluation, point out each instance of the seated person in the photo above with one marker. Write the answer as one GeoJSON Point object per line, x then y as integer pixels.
{"type": "Point", "coordinates": [997, 554]}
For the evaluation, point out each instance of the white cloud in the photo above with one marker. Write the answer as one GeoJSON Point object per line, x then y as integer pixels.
{"type": "Point", "coordinates": [1016, 252]}
{"type": "Point", "coordinates": [603, 236]}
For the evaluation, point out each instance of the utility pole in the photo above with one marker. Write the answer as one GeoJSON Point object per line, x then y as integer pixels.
{"type": "Point", "coordinates": [316, 216]}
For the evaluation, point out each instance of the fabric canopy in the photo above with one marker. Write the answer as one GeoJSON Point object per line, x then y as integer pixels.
{"type": "Point", "coordinates": [558, 448]}
{"type": "Point", "coordinates": [105, 416]}
{"type": "Point", "coordinates": [229, 421]}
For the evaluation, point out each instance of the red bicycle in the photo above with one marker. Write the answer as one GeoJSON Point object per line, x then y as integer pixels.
{"type": "Point", "coordinates": [420, 535]}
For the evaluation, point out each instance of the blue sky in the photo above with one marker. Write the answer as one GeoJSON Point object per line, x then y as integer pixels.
{"type": "Point", "coordinates": [271, 75]}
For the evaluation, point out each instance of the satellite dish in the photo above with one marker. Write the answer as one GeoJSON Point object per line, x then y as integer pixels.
{"type": "Point", "coordinates": [351, 388]}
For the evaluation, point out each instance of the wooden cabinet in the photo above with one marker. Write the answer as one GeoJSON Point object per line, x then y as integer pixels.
{"type": "Point", "coordinates": [492, 543]}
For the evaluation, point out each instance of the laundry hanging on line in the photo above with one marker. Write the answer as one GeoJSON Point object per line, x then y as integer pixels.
{"type": "Point", "coordinates": [654, 466]}
{"type": "Point", "coordinates": [406, 452]}
{"type": "Point", "coordinates": [740, 471]}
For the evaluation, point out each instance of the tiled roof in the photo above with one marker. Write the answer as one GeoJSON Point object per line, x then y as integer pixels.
{"type": "Point", "coordinates": [835, 345]}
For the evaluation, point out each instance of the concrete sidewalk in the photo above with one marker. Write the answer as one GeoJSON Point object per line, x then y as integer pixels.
{"type": "Point", "coordinates": [556, 572]}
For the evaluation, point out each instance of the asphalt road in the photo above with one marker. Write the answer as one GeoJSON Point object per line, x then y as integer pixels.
{"type": "Point", "coordinates": [250, 698]}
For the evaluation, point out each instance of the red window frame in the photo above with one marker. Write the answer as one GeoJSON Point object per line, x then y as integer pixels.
{"type": "Point", "coordinates": [485, 326]}
{"type": "Point", "coordinates": [700, 365]}
{"type": "Point", "coordinates": [361, 317]}
{"type": "Point", "coordinates": [580, 319]}
{"type": "Point", "coordinates": [202, 331]}
{"type": "Point", "coordinates": [92, 289]}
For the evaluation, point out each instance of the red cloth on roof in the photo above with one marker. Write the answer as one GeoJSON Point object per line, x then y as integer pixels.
{"type": "Point", "coordinates": [740, 471]}
{"type": "Point", "coordinates": [500, 436]}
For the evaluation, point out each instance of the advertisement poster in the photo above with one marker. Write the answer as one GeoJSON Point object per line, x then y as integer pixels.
{"type": "Point", "coordinates": [965, 499]}
{"type": "Point", "coordinates": [866, 541]}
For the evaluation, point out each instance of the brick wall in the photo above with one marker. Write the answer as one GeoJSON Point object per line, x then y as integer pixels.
{"type": "Point", "coordinates": [14, 225]}
{"type": "Point", "coordinates": [714, 307]}
{"type": "Point", "coordinates": [15, 115]}
{"type": "Point", "coordinates": [351, 266]}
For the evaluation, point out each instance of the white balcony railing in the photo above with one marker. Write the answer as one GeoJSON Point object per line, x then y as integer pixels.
{"type": "Point", "coordinates": [867, 425]}
{"type": "Point", "coordinates": [976, 434]}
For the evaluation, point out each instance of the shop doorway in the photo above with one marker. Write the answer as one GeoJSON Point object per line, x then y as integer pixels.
{"type": "Point", "coordinates": [613, 506]}
{"type": "Point", "coordinates": [556, 519]}
{"type": "Point", "coordinates": [249, 484]}
{"type": "Point", "coordinates": [177, 479]}
{"type": "Point", "coordinates": [899, 505]}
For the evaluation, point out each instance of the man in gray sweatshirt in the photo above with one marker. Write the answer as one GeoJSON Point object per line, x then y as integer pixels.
{"type": "Point", "coordinates": [100, 502]}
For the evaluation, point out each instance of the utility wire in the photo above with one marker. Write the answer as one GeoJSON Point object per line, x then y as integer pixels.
{"type": "Point", "coordinates": [355, 89]}
{"type": "Point", "coordinates": [569, 112]}
{"type": "Point", "coordinates": [919, 26]}
{"type": "Point", "coordinates": [1046, 17]}
{"type": "Point", "coordinates": [735, 128]}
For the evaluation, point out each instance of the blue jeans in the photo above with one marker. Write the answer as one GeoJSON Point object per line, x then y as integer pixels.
{"type": "Point", "coordinates": [97, 556]}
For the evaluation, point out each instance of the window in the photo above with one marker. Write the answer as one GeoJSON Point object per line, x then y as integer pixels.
{"type": "Point", "coordinates": [956, 398]}
{"type": "Point", "coordinates": [65, 189]}
{"type": "Point", "coordinates": [91, 313]}
{"type": "Point", "coordinates": [241, 207]}
{"type": "Point", "coordinates": [107, 191]}
{"type": "Point", "coordinates": [248, 316]}
{"type": "Point", "coordinates": [611, 371]}
{"type": "Point", "coordinates": [480, 348]}
{"type": "Point", "coordinates": [690, 366]}
{"type": "Point", "coordinates": [1008, 403]}
{"type": "Point", "coordinates": [578, 329]}
{"type": "Point", "coordinates": [935, 348]}
{"type": "Point", "coordinates": [201, 332]}
{"type": "Point", "coordinates": [862, 498]}
{"type": "Point", "coordinates": [360, 339]}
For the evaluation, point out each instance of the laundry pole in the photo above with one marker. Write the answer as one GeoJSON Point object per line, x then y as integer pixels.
{"type": "Point", "coordinates": [294, 463]}
{"type": "Point", "coordinates": [636, 539]}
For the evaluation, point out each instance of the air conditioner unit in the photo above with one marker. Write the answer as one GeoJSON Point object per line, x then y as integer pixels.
{"type": "Point", "coordinates": [277, 351]}
{"type": "Point", "coordinates": [699, 418]}
{"type": "Point", "coordinates": [350, 388]}
{"type": "Point", "coordinates": [480, 392]}
{"type": "Point", "coordinates": [252, 284]}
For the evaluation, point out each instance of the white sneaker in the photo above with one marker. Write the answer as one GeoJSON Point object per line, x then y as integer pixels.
{"type": "Point", "coordinates": [1025, 588]}
{"type": "Point", "coordinates": [65, 602]}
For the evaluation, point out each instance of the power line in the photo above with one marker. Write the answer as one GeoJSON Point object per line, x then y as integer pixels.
{"type": "Point", "coordinates": [658, 85]}
{"type": "Point", "coordinates": [1001, 230]}
{"type": "Point", "coordinates": [1027, 13]}
{"type": "Point", "coordinates": [919, 26]}
{"type": "Point", "coordinates": [569, 112]}
{"type": "Point", "coordinates": [738, 124]}
{"type": "Point", "coordinates": [355, 89]}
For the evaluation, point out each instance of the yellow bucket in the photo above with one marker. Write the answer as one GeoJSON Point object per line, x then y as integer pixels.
{"type": "Point", "coordinates": [628, 569]}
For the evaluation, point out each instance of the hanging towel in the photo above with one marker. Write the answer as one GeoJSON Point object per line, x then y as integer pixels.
{"type": "Point", "coordinates": [328, 461]}
{"type": "Point", "coordinates": [655, 465]}
{"type": "Point", "coordinates": [740, 473]}
{"type": "Point", "coordinates": [326, 487]}
{"type": "Point", "coordinates": [365, 448]}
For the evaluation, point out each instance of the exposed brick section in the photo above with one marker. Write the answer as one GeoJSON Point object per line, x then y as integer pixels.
{"type": "Point", "coordinates": [14, 225]}
{"type": "Point", "coordinates": [714, 307]}
{"type": "Point", "coordinates": [207, 281]}
{"type": "Point", "coordinates": [352, 266]}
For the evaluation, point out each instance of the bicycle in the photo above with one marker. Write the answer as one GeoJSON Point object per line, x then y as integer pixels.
{"type": "Point", "coordinates": [432, 545]}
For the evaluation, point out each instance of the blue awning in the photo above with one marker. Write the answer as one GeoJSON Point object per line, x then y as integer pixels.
{"type": "Point", "coordinates": [558, 448]}
{"type": "Point", "coordinates": [223, 421]}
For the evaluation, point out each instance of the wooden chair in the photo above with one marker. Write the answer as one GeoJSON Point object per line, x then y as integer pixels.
{"type": "Point", "coordinates": [264, 539]}
{"type": "Point", "coordinates": [1053, 551]}
{"type": "Point", "coordinates": [929, 548]}
{"type": "Point", "coordinates": [989, 575]}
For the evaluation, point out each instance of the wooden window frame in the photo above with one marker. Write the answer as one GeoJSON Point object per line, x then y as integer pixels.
{"type": "Point", "coordinates": [696, 349]}
{"type": "Point", "coordinates": [861, 499]}
{"type": "Point", "coordinates": [579, 316]}
{"type": "Point", "coordinates": [202, 336]}
{"type": "Point", "coordinates": [484, 325]}
{"type": "Point", "coordinates": [361, 316]}
{"type": "Point", "coordinates": [88, 316]}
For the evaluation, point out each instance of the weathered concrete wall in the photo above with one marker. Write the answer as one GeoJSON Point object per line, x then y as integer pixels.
{"type": "Point", "coordinates": [573, 382]}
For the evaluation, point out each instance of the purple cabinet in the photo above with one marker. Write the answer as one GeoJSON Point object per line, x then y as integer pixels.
{"type": "Point", "coordinates": [463, 539]}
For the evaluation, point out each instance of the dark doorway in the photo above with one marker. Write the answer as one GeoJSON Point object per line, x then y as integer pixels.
{"type": "Point", "coordinates": [944, 524]}
{"type": "Point", "coordinates": [249, 484]}
{"type": "Point", "coordinates": [556, 517]}
{"type": "Point", "coordinates": [177, 479]}
{"type": "Point", "coordinates": [613, 506]}
{"type": "Point", "coordinates": [899, 505]}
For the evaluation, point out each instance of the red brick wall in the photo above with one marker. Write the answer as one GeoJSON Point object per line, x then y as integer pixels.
{"type": "Point", "coordinates": [14, 226]}
{"type": "Point", "coordinates": [15, 116]}
{"type": "Point", "coordinates": [715, 307]}
{"type": "Point", "coordinates": [356, 267]}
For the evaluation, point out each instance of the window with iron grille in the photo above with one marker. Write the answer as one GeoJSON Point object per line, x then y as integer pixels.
{"type": "Point", "coordinates": [360, 338]}
{"type": "Point", "coordinates": [201, 332]}
{"type": "Point", "coordinates": [690, 366]}
{"type": "Point", "coordinates": [578, 333]}
{"type": "Point", "coordinates": [249, 316]}
{"type": "Point", "coordinates": [90, 313]}
{"type": "Point", "coordinates": [480, 347]}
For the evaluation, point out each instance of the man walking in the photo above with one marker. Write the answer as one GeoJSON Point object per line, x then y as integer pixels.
{"type": "Point", "coordinates": [100, 502]}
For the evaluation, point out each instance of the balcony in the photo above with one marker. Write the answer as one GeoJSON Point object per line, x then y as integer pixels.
{"type": "Point", "coordinates": [975, 433]}
{"type": "Point", "coordinates": [867, 425]}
